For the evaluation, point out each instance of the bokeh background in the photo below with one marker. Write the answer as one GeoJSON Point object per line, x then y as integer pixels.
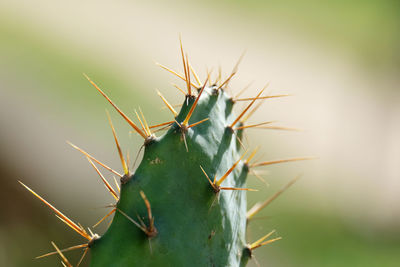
{"type": "Point", "coordinates": [339, 59]}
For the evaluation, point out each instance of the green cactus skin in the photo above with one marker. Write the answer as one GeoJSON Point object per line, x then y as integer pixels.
{"type": "Point", "coordinates": [195, 225]}
{"type": "Point", "coordinates": [178, 208]}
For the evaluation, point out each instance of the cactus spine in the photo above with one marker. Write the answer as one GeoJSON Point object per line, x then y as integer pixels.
{"type": "Point", "coordinates": [185, 204]}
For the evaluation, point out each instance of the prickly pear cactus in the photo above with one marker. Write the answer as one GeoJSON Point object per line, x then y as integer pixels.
{"type": "Point", "coordinates": [192, 221]}
{"type": "Point", "coordinates": [185, 204]}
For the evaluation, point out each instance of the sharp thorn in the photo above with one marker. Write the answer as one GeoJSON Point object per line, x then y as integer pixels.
{"type": "Point", "coordinates": [83, 256]}
{"type": "Point", "coordinates": [177, 87]}
{"type": "Point", "coordinates": [226, 81]}
{"type": "Point", "coordinates": [141, 124]}
{"type": "Point", "coordinates": [195, 75]}
{"type": "Point", "coordinates": [265, 163]}
{"type": "Point", "coordinates": [235, 188]}
{"type": "Point", "coordinates": [253, 125]}
{"type": "Point", "coordinates": [62, 250]}
{"type": "Point", "coordinates": [267, 242]}
{"type": "Point", "coordinates": [93, 158]}
{"type": "Point", "coordinates": [145, 122]}
{"type": "Point", "coordinates": [167, 104]}
{"type": "Point", "coordinates": [208, 178]}
{"type": "Point", "coordinates": [133, 221]}
{"type": "Point", "coordinates": [64, 259]}
{"type": "Point", "coordinates": [186, 121]}
{"type": "Point", "coordinates": [116, 184]}
{"type": "Point", "coordinates": [105, 217]}
{"type": "Point", "coordinates": [219, 182]}
{"type": "Point", "coordinates": [246, 109]}
{"type": "Point", "coordinates": [259, 206]}
{"type": "Point", "coordinates": [197, 123]}
{"type": "Point", "coordinates": [121, 156]}
{"type": "Point", "coordinates": [69, 222]}
{"type": "Point", "coordinates": [257, 98]}
{"type": "Point", "coordinates": [259, 241]}
{"type": "Point", "coordinates": [108, 186]}
{"type": "Point", "coordinates": [189, 85]}
{"type": "Point", "coordinates": [252, 155]}
{"type": "Point", "coordinates": [130, 122]}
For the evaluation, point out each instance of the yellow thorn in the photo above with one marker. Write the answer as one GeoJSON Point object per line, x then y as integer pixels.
{"type": "Point", "coordinates": [93, 158]}
{"type": "Point", "coordinates": [235, 188]}
{"type": "Point", "coordinates": [83, 229]}
{"type": "Point", "coordinates": [64, 259]}
{"type": "Point", "coordinates": [145, 122]}
{"type": "Point", "coordinates": [266, 242]}
{"type": "Point", "coordinates": [219, 75]}
{"type": "Point", "coordinates": [279, 161]}
{"type": "Point", "coordinates": [105, 217]}
{"type": "Point", "coordinates": [176, 74]}
{"type": "Point", "coordinates": [121, 156]}
{"type": "Point", "coordinates": [236, 67]}
{"type": "Point", "coordinates": [91, 233]}
{"type": "Point", "coordinates": [259, 241]}
{"type": "Point", "coordinates": [218, 183]}
{"type": "Point", "coordinates": [195, 75]}
{"type": "Point", "coordinates": [186, 121]}
{"type": "Point", "coordinates": [252, 155]}
{"type": "Point", "coordinates": [150, 216]}
{"type": "Point", "coordinates": [208, 178]}
{"type": "Point", "coordinates": [259, 206]}
{"type": "Point", "coordinates": [62, 250]}
{"type": "Point", "coordinates": [239, 140]}
{"type": "Point", "coordinates": [174, 106]}
{"type": "Point", "coordinates": [183, 135]}
{"type": "Point", "coordinates": [141, 123]}
{"type": "Point", "coordinates": [177, 87]}
{"type": "Point", "coordinates": [234, 71]}
{"type": "Point", "coordinates": [133, 221]}
{"type": "Point", "coordinates": [83, 256]}
{"type": "Point", "coordinates": [197, 123]}
{"type": "Point", "coordinates": [251, 112]}
{"type": "Point", "coordinates": [253, 125]}
{"type": "Point", "coordinates": [187, 75]}
{"type": "Point", "coordinates": [263, 97]}
{"type": "Point", "coordinates": [247, 108]}
{"type": "Point", "coordinates": [161, 124]}
{"type": "Point", "coordinates": [108, 186]}
{"type": "Point", "coordinates": [167, 104]}
{"type": "Point", "coordinates": [131, 123]}
{"type": "Point", "coordinates": [171, 71]}
{"type": "Point", "coordinates": [128, 160]}
{"type": "Point", "coordinates": [70, 223]}
{"type": "Point", "coordinates": [226, 81]}
{"type": "Point", "coordinates": [189, 84]}
{"type": "Point", "coordinates": [209, 73]}
{"type": "Point", "coordinates": [116, 184]}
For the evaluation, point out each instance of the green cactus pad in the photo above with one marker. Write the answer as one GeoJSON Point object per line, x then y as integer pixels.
{"type": "Point", "coordinates": [195, 225]}
{"type": "Point", "coordinates": [185, 204]}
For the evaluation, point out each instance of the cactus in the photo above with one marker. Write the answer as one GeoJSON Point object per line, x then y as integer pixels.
{"type": "Point", "coordinates": [185, 204]}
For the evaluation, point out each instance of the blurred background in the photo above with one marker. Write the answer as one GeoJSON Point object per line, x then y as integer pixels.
{"type": "Point", "coordinates": [339, 59]}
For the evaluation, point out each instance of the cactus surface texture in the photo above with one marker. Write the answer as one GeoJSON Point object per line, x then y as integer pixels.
{"type": "Point", "coordinates": [185, 204]}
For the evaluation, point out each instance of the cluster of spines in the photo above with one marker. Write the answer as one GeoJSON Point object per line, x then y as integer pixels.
{"type": "Point", "coordinates": [145, 131]}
